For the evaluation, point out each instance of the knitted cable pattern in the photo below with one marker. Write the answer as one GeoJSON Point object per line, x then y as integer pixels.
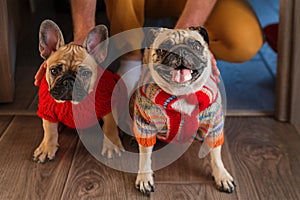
{"type": "Point", "coordinates": [85, 114]}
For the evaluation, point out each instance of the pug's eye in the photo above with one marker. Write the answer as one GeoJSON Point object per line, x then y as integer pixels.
{"type": "Point", "coordinates": [55, 70]}
{"type": "Point", "coordinates": [160, 52]}
{"type": "Point", "coordinates": [197, 46]}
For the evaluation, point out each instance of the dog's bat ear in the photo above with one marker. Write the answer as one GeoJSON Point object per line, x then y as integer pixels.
{"type": "Point", "coordinates": [96, 43]}
{"type": "Point", "coordinates": [50, 38]}
{"type": "Point", "coordinates": [202, 31]}
{"type": "Point", "coordinates": [151, 35]}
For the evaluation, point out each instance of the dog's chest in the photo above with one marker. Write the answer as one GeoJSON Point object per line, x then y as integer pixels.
{"type": "Point", "coordinates": [183, 106]}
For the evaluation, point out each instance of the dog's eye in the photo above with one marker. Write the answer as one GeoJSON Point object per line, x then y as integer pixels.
{"type": "Point", "coordinates": [55, 70]}
{"type": "Point", "coordinates": [160, 52]}
{"type": "Point", "coordinates": [197, 46]}
{"type": "Point", "coordinates": [86, 74]}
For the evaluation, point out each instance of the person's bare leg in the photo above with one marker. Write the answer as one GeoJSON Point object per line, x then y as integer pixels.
{"type": "Point", "coordinates": [83, 15]}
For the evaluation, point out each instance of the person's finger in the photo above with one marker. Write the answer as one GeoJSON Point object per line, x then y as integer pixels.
{"type": "Point", "coordinates": [215, 70]}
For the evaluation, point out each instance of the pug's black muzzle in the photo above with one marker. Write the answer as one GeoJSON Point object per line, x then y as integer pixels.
{"type": "Point", "coordinates": [68, 87]}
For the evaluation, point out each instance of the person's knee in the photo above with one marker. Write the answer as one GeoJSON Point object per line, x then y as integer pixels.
{"type": "Point", "coordinates": [237, 47]}
{"type": "Point", "coordinates": [245, 49]}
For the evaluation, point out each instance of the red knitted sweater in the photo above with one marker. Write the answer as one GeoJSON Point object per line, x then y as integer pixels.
{"type": "Point", "coordinates": [85, 114]}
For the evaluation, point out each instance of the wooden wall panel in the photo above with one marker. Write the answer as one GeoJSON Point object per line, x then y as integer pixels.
{"type": "Point", "coordinates": [288, 71]}
{"type": "Point", "coordinates": [295, 93]}
{"type": "Point", "coordinates": [283, 64]}
{"type": "Point", "coordinates": [7, 53]}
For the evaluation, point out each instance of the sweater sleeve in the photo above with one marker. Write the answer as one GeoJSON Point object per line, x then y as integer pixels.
{"type": "Point", "coordinates": [211, 128]}
{"type": "Point", "coordinates": [148, 121]}
{"type": "Point", "coordinates": [144, 130]}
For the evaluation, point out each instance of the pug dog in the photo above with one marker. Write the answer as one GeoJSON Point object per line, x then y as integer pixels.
{"type": "Point", "coordinates": [75, 90]}
{"type": "Point", "coordinates": [178, 100]}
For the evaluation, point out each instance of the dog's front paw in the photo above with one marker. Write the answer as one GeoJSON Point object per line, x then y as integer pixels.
{"type": "Point", "coordinates": [223, 180]}
{"type": "Point", "coordinates": [112, 147]}
{"type": "Point", "coordinates": [145, 183]}
{"type": "Point", "coordinates": [45, 151]}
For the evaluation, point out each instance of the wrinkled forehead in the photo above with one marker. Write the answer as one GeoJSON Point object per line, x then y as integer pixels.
{"type": "Point", "coordinates": [69, 52]}
{"type": "Point", "coordinates": [169, 37]}
{"type": "Point", "coordinates": [71, 55]}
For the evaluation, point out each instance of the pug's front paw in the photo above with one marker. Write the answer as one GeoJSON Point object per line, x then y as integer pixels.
{"type": "Point", "coordinates": [145, 183]}
{"type": "Point", "coordinates": [45, 151]}
{"type": "Point", "coordinates": [224, 180]}
{"type": "Point", "coordinates": [112, 147]}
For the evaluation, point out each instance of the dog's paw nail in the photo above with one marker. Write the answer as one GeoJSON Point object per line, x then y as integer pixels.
{"type": "Point", "coordinates": [152, 188]}
{"type": "Point", "coordinates": [137, 187]}
{"type": "Point", "coordinates": [234, 184]}
{"type": "Point", "coordinates": [228, 190]}
{"type": "Point", "coordinates": [40, 161]}
{"type": "Point", "coordinates": [220, 189]}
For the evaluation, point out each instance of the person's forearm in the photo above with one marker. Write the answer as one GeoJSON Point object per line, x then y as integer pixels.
{"type": "Point", "coordinates": [83, 15]}
{"type": "Point", "coordinates": [195, 13]}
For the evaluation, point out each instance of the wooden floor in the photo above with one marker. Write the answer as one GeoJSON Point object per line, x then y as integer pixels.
{"type": "Point", "coordinates": [261, 154]}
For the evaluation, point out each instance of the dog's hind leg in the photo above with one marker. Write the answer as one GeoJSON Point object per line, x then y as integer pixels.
{"type": "Point", "coordinates": [112, 144]}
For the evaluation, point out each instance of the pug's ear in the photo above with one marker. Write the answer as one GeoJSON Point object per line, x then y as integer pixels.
{"type": "Point", "coordinates": [50, 38]}
{"type": "Point", "coordinates": [202, 31]}
{"type": "Point", "coordinates": [151, 35]}
{"type": "Point", "coordinates": [96, 43]}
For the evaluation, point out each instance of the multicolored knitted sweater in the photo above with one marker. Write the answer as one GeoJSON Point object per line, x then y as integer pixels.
{"type": "Point", "coordinates": [85, 114]}
{"type": "Point", "coordinates": [179, 119]}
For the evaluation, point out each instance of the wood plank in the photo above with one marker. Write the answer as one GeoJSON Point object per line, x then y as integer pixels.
{"type": "Point", "coordinates": [249, 113]}
{"type": "Point", "coordinates": [178, 190]}
{"type": "Point", "coordinates": [189, 191]}
{"type": "Point", "coordinates": [21, 178]}
{"type": "Point", "coordinates": [131, 192]}
{"type": "Point", "coordinates": [266, 158]}
{"type": "Point", "coordinates": [90, 179]}
{"type": "Point", "coordinates": [4, 122]}
{"type": "Point", "coordinates": [189, 168]}
{"type": "Point", "coordinates": [264, 154]}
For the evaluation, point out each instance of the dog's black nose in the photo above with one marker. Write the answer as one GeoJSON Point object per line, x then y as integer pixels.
{"type": "Point", "coordinates": [68, 83]}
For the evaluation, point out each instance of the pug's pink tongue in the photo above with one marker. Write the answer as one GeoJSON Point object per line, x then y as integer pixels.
{"type": "Point", "coordinates": [181, 75]}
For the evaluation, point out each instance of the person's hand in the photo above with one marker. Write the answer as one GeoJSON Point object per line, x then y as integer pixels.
{"type": "Point", "coordinates": [40, 73]}
{"type": "Point", "coordinates": [215, 69]}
